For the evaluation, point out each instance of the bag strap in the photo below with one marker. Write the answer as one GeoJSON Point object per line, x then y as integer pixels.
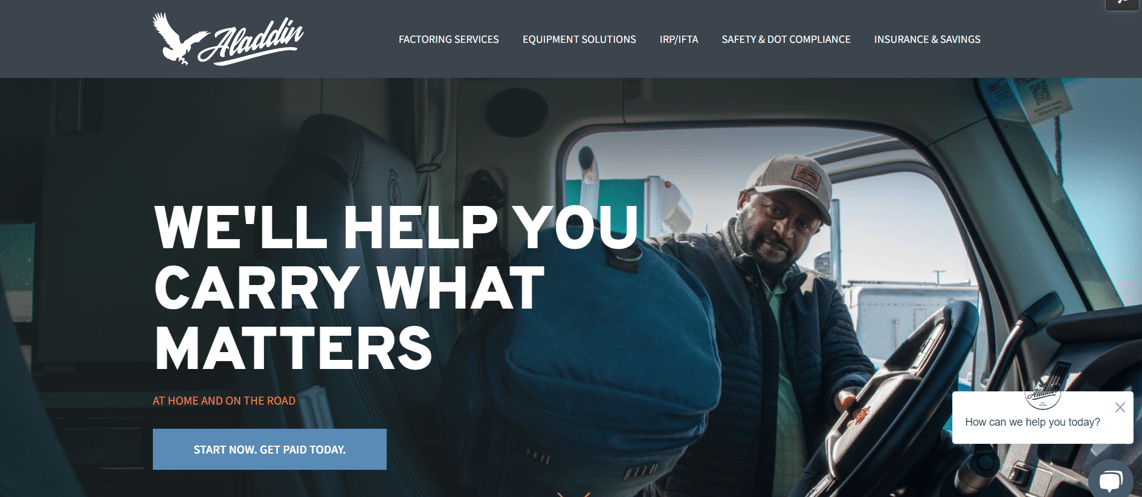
{"type": "Point", "coordinates": [488, 252]}
{"type": "Point", "coordinates": [484, 191]}
{"type": "Point", "coordinates": [625, 259]}
{"type": "Point", "coordinates": [313, 408]}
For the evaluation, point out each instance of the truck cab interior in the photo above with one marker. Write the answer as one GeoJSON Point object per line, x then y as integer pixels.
{"type": "Point", "coordinates": [84, 164]}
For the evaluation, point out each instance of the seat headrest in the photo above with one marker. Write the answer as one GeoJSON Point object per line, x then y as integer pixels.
{"type": "Point", "coordinates": [374, 171]}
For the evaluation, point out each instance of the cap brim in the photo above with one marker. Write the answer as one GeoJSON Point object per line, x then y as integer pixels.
{"type": "Point", "coordinates": [812, 197]}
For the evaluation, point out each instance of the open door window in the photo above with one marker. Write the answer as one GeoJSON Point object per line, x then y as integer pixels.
{"type": "Point", "coordinates": [896, 246]}
{"type": "Point", "coordinates": [17, 265]}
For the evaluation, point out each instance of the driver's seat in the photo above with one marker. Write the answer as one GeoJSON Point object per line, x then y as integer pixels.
{"type": "Point", "coordinates": [341, 164]}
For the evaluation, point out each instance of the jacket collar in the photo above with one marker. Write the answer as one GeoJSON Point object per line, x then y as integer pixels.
{"type": "Point", "coordinates": [745, 263]}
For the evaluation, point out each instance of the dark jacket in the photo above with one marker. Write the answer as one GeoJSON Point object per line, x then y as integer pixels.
{"type": "Point", "coordinates": [734, 457]}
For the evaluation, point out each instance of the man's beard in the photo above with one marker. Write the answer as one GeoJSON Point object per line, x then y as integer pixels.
{"type": "Point", "coordinates": [771, 268]}
{"type": "Point", "coordinates": [766, 266]}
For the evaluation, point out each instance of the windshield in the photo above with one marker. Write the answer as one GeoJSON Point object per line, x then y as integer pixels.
{"type": "Point", "coordinates": [1084, 172]}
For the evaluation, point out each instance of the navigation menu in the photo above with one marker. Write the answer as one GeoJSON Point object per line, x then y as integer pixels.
{"type": "Point", "coordinates": [694, 39]}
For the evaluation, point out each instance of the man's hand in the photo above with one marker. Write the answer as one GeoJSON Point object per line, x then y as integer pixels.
{"type": "Point", "coordinates": [845, 398]}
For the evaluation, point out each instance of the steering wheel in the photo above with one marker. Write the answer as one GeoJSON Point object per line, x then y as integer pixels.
{"type": "Point", "coordinates": [865, 444]}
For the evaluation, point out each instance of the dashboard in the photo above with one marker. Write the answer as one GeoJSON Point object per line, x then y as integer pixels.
{"type": "Point", "coordinates": [1099, 351]}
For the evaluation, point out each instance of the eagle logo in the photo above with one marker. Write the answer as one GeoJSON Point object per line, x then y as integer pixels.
{"type": "Point", "coordinates": [176, 48]}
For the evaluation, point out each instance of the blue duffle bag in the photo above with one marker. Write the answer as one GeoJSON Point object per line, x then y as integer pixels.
{"type": "Point", "coordinates": [598, 388]}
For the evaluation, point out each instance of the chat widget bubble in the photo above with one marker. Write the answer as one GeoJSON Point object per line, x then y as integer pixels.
{"type": "Point", "coordinates": [1044, 418]}
{"type": "Point", "coordinates": [1110, 478]}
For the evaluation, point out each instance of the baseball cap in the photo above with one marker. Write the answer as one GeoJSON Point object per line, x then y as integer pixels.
{"type": "Point", "coordinates": [795, 173]}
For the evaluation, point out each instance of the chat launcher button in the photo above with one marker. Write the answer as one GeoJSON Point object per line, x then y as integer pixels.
{"type": "Point", "coordinates": [1110, 478]}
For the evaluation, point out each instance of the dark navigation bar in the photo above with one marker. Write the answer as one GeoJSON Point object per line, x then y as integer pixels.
{"type": "Point", "coordinates": [592, 38]}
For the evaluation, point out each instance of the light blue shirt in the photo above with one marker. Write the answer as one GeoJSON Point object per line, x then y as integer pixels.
{"type": "Point", "coordinates": [789, 459]}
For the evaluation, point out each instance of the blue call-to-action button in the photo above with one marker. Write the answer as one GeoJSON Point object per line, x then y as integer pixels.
{"type": "Point", "coordinates": [243, 449]}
